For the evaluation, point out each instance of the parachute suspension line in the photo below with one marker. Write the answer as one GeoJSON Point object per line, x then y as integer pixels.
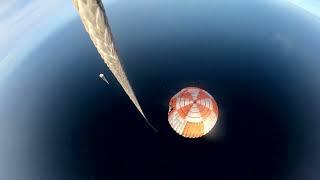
{"type": "Point", "coordinates": [94, 19]}
{"type": "Point", "coordinates": [149, 123]}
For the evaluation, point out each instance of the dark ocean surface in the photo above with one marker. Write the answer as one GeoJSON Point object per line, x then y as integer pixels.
{"type": "Point", "coordinates": [258, 60]}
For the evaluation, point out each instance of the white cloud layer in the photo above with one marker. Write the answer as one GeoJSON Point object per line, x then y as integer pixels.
{"type": "Point", "coordinates": [24, 24]}
{"type": "Point", "coordinates": [311, 6]}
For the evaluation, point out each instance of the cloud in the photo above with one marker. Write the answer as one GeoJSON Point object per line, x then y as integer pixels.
{"type": "Point", "coordinates": [22, 18]}
{"type": "Point", "coordinates": [5, 7]}
{"type": "Point", "coordinates": [9, 8]}
{"type": "Point", "coordinates": [25, 24]}
{"type": "Point", "coordinates": [25, 18]}
{"type": "Point", "coordinates": [311, 6]}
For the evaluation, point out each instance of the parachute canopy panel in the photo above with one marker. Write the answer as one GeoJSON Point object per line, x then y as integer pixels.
{"type": "Point", "coordinates": [193, 112]}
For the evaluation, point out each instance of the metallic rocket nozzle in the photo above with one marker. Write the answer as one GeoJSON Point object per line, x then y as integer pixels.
{"type": "Point", "coordinates": [103, 78]}
{"type": "Point", "coordinates": [94, 19]}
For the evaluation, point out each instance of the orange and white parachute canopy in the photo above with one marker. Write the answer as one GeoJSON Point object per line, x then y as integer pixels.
{"type": "Point", "coordinates": [192, 112]}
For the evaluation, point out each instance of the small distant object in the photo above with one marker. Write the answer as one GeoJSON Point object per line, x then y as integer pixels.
{"type": "Point", "coordinates": [103, 78]}
{"type": "Point", "coordinates": [95, 21]}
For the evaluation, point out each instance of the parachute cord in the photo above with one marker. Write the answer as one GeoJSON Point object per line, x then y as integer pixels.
{"type": "Point", "coordinates": [149, 123]}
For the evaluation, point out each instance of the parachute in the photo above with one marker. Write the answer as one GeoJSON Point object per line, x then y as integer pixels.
{"type": "Point", "coordinates": [103, 78]}
{"type": "Point", "coordinates": [94, 19]}
{"type": "Point", "coordinates": [193, 112]}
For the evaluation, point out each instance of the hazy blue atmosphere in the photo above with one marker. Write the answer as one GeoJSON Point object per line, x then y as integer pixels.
{"type": "Point", "coordinates": [259, 60]}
